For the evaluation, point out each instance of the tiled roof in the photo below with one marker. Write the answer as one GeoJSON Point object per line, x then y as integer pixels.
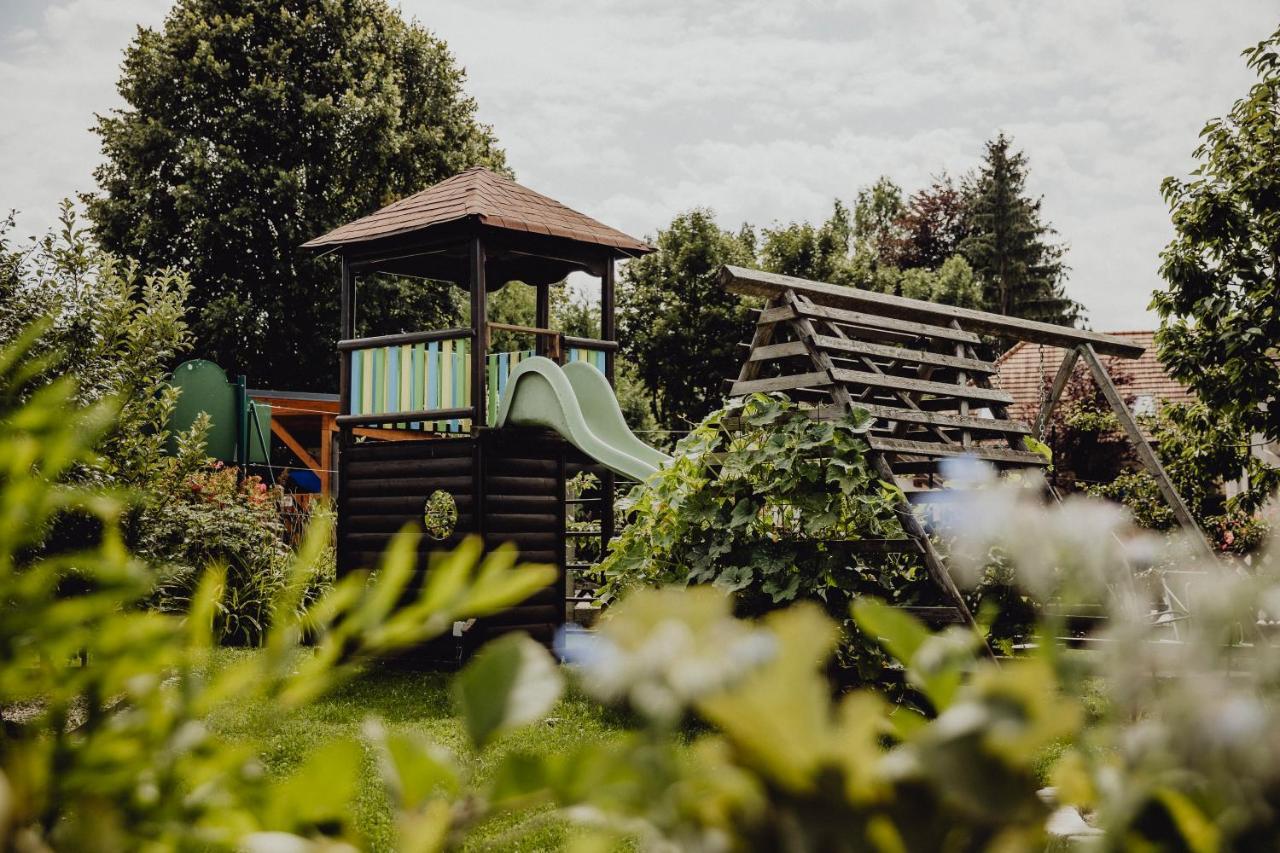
{"type": "Point", "coordinates": [495, 200]}
{"type": "Point", "coordinates": [1027, 371]}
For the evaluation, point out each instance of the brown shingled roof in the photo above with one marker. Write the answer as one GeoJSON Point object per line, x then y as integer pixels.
{"type": "Point", "coordinates": [494, 200]}
{"type": "Point", "coordinates": [1026, 371]}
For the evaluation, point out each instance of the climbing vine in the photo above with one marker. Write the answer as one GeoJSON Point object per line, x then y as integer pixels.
{"type": "Point", "coordinates": [768, 504]}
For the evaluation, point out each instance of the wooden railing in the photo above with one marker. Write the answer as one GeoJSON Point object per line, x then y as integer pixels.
{"type": "Point", "coordinates": [423, 380]}
{"type": "Point", "coordinates": [420, 380]}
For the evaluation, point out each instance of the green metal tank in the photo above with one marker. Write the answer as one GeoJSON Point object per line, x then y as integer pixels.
{"type": "Point", "coordinates": [205, 388]}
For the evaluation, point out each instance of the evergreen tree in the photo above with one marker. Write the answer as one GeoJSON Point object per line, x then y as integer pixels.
{"type": "Point", "coordinates": [1008, 245]}
{"type": "Point", "coordinates": [254, 125]}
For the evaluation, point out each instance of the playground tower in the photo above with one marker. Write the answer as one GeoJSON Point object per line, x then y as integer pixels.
{"type": "Point", "coordinates": [418, 408]}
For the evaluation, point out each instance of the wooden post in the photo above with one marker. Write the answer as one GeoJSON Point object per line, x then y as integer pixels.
{"type": "Point", "coordinates": [543, 319]}
{"type": "Point", "coordinates": [608, 332]}
{"type": "Point", "coordinates": [1055, 392]}
{"type": "Point", "coordinates": [761, 337]}
{"type": "Point", "coordinates": [1145, 452]}
{"type": "Point", "coordinates": [608, 322]}
{"type": "Point", "coordinates": [479, 345]}
{"type": "Point", "coordinates": [346, 331]}
{"type": "Point", "coordinates": [326, 453]}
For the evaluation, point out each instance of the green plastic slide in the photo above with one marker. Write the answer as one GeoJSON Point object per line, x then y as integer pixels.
{"type": "Point", "coordinates": [577, 402]}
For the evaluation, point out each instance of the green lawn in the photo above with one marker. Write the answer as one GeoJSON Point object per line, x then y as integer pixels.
{"type": "Point", "coordinates": [413, 702]}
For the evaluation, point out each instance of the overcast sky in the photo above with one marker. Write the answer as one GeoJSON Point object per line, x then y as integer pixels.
{"type": "Point", "coordinates": [764, 111]}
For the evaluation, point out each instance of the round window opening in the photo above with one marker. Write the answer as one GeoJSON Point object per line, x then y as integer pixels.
{"type": "Point", "coordinates": [440, 515]}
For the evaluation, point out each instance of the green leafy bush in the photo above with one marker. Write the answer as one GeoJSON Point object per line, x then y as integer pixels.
{"type": "Point", "coordinates": [1166, 737]}
{"type": "Point", "coordinates": [760, 501]}
{"type": "Point", "coordinates": [758, 510]}
{"type": "Point", "coordinates": [118, 332]}
{"type": "Point", "coordinates": [103, 744]}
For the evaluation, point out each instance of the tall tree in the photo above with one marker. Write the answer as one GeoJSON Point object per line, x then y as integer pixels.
{"type": "Point", "coordinates": [875, 217]}
{"type": "Point", "coordinates": [1009, 246]}
{"type": "Point", "coordinates": [253, 125]}
{"type": "Point", "coordinates": [677, 325]}
{"type": "Point", "coordinates": [818, 253]}
{"type": "Point", "coordinates": [1220, 316]}
{"type": "Point", "coordinates": [931, 227]}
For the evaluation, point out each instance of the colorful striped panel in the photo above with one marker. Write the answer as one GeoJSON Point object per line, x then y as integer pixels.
{"type": "Point", "coordinates": [413, 377]}
{"type": "Point", "coordinates": [594, 357]}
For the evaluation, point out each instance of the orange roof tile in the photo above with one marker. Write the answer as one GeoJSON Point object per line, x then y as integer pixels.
{"type": "Point", "coordinates": [493, 199]}
{"type": "Point", "coordinates": [1026, 372]}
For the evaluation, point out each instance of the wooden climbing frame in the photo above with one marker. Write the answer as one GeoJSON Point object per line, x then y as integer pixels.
{"type": "Point", "coordinates": [915, 366]}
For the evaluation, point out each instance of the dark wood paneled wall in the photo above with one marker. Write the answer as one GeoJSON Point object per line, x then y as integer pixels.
{"type": "Point", "coordinates": [509, 487]}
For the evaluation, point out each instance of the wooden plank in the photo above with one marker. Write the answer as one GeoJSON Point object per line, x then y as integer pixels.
{"type": "Point", "coordinates": [880, 546]}
{"type": "Point", "coordinates": [298, 450]}
{"type": "Point", "coordinates": [907, 354]}
{"type": "Point", "coordinates": [936, 569]}
{"type": "Point", "coordinates": [914, 416]}
{"type": "Point", "coordinates": [978, 451]}
{"type": "Point", "coordinates": [971, 422]}
{"type": "Point", "coordinates": [935, 615]}
{"type": "Point", "coordinates": [923, 386]}
{"type": "Point", "coordinates": [872, 321]}
{"type": "Point", "coordinates": [768, 352]}
{"type": "Point", "coordinates": [816, 379]}
{"type": "Point", "coordinates": [404, 417]}
{"type": "Point", "coordinates": [1145, 452]}
{"type": "Point", "coordinates": [769, 285]}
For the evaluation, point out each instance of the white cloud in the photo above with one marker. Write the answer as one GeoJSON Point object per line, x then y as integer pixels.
{"type": "Point", "coordinates": [765, 111]}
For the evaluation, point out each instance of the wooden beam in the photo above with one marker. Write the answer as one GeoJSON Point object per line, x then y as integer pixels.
{"type": "Point", "coordinates": [1059, 385]}
{"type": "Point", "coordinates": [542, 316]}
{"type": "Point", "coordinates": [934, 566]}
{"type": "Point", "coordinates": [326, 452]}
{"type": "Point", "coordinates": [913, 416]}
{"type": "Point", "coordinates": [871, 321]}
{"type": "Point", "coordinates": [479, 349]}
{"type": "Point", "coordinates": [816, 379]}
{"type": "Point", "coordinates": [608, 320]}
{"type": "Point", "coordinates": [401, 434]}
{"type": "Point", "coordinates": [293, 444]}
{"type": "Point", "coordinates": [760, 338]}
{"type": "Point", "coordinates": [769, 352]}
{"type": "Point", "coordinates": [923, 386]}
{"type": "Point", "coordinates": [1145, 451]}
{"type": "Point", "coordinates": [757, 283]}
{"type": "Point", "coordinates": [1004, 455]}
{"type": "Point", "coordinates": [908, 354]}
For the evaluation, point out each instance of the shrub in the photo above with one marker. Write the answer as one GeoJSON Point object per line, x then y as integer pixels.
{"type": "Point", "coordinates": [759, 502]}
{"type": "Point", "coordinates": [118, 332]}
{"type": "Point", "coordinates": [104, 745]}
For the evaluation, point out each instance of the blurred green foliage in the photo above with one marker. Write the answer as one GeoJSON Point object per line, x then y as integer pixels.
{"type": "Point", "coordinates": [103, 700]}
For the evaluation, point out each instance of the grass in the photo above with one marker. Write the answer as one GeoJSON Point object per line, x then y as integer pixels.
{"type": "Point", "coordinates": [411, 702]}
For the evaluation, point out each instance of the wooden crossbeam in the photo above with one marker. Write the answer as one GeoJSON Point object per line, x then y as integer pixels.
{"type": "Point", "coordinates": [883, 305]}
{"type": "Point", "coordinates": [781, 383]}
{"type": "Point", "coordinates": [1059, 385]}
{"type": "Point", "coordinates": [1145, 452]}
{"type": "Point", "coordinates": [293, 444]}
{"type": "Point", "coordinates": [1006, 455]}
{"type": "Point", "coordinates": [914, 416]}
{"type": "Point", "coordinates": [857, 318]}
{"type": "Point", "coordinates": [923, 386]}
{"type": "Point", "coordinates": [907, 354]}
{"type": "Point", "coordinates": [770, 352]}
